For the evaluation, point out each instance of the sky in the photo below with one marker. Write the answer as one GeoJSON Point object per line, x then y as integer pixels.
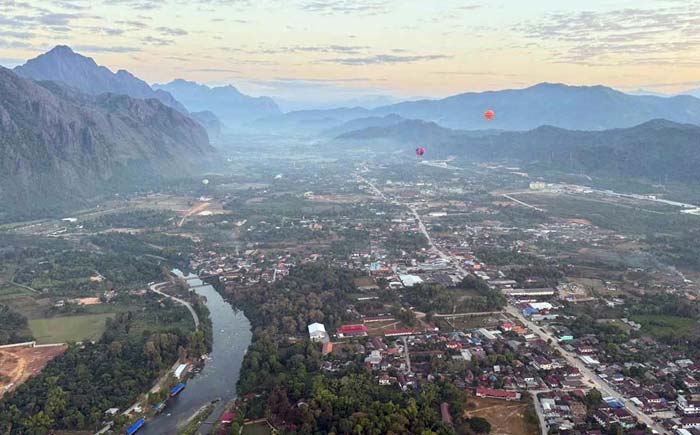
{"type": "Point", "coordinates": [343, 49]}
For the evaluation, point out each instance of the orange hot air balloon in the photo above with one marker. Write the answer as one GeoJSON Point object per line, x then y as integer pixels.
{"type": "Point", "coordinates": [489, 114]}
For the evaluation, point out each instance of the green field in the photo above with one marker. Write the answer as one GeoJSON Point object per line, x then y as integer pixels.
{"type": "Point", "coordinates": [69, 328]}
{"type": "Point", "coordinates": [659, 325]}
{"type": "Point", "coordinates": [256, 429]}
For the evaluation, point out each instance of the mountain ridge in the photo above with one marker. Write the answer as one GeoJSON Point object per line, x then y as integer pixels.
{"type": "Point", "coordinates": [58, 144]}
{"type": "Point", "coordinates": [654, 149]}
{"type": "Point", "coordinates": [226, 102]}
{"type": "Point", "coordinates": [62, 64]}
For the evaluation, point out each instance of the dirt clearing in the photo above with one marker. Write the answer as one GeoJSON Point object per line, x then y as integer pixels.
{"type": "Point", "coordinates": [506, 418]}
{"type": "Point", "coordinates": [17, 364]}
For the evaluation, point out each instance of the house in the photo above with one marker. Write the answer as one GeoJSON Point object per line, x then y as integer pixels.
{"type": "Point", "coordinates": [384, 379]}
{"type": "Point", "coordinates": [374, 358]}
{"type": "Point", "coordinates": [690, 382]}
{"type": "Point", "coordinates": [399, 332]}
{"type": "Point", "coordinates": [351, 331]}
{"type": "Point", "coordinates": [688, 407]}
{"type": "Point", "coordinates": [227, 417]}
{"type": "Point", "coordinates": [317, 332]}
{"type": "Point", "coordinates": [542, 363]}
{"type": "Point", "coordinates": [497, 394]}
{"type": "Point", "coordinates": [327, 348]}
{"type": "Point", "coordinates": [690, 422]}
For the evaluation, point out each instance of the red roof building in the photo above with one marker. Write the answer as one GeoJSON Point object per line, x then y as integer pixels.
{"type": "Point", "coordinates": [327, 348]}
{"type": "Point", "coordinates": [497, 394]}
{"type": "Point", "coordinates": [227, 417]}
{"type": "Point", "coordinates": [352, 331]}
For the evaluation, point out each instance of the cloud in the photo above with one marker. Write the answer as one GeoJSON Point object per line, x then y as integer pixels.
{"type": "Point", "coordinates": [144, 5]}
{"type": "Point", "coordinates": [387, 59]}
{"type": "Point", "coordinates": [132, 24]}
{"type": "Point", "coordinates": [171, 31]}
{"type": "Point", "coordinates": [616, 36]}
{"type": "Point", "coordinates": [16, 35]}
{"type": "Point", "coordinates": [152, 40]}
{"type": "Point", "coordinates": [215, 70]}
{"type": "Point", "coordinates": [340, 49]}
{"type": "Point", "coordinates": [360, 7]}
{"type": "Point", "coordinates": [14, 44]}
{"type": "Point", "coordinates": [57, 19]}
{"type": "Point", "coordinates": [109, 31]}
{"type": "Point", "coordinates": [102, 49]}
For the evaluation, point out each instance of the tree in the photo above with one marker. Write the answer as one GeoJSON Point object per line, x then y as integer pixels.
{"type": "Point", "coordinates": [479, 425]}
{"type": "Point", "coordinates": [593, 398]}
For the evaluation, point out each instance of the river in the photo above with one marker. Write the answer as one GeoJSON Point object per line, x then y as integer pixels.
{"type": "Point", "coordinates": [218, 377]}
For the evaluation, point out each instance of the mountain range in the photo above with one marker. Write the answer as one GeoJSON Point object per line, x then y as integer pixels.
{"type": "Point", "coordinates": [657, 149]}
{"type": "Point", "coordinates": [226, 102]}
{"type": "Point", "coordinates": [59, 145]}
{"type": "Point", "coordinates": [62, 64]}
{"type": "Point", "coordinates": [570, 107]}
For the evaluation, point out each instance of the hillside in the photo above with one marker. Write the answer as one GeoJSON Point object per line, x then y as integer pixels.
{"type": "Point", "coordinates": [61, 64]}
{"type": "Point", "coordinates": [60, 145]}
{"type": "Point", "coordinates": [657, 149]}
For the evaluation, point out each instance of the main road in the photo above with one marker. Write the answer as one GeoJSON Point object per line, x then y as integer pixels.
{"type": "Point", "coordinates": [587, 374]}
{"type": "Point", "coordinates": [155, 288]}
{"type": "Point", "coordinates": [421, 226]}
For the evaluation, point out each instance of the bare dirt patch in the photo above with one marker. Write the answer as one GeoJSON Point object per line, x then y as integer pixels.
{"type": "Point", "coordinates": [17, 364]}
{"type": "Point", "coordinates": [506, 418]}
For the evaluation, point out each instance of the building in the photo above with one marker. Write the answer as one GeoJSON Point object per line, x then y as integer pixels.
{"type": "Point", "coordinates": [399, 332]}
{"type": "Point", "coordinates": [533, 292]}
{"type": "Point", "coordinates": [180, 370]}
{"type": "Point", "coordinates": [497, 394]}
{"type": "Point", "coordinates": [410, 280]}
{"type": "Point", "coordinates": [351, 331]}
{"type": "Point", "coordinates": [317, 332]}
{"type": "Point", "coordinates": [688, 407]}
{"type": "Point", "coordinates": [327, 348]}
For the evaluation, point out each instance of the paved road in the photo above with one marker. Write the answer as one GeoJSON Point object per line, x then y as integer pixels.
{"type": "Point", "coordinates": [154, 288]}
{"type": "Point", "coordinates": [524, 204]}
{"type": "Point", "coordinates": [587, 374]}
{"type": "Point", "coordinates": [539, 410]}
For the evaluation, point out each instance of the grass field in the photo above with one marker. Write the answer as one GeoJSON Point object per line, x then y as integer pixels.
{"type": "Point", "coordinates": [257, 429]}
{"type": "Point", "coordinates": [70, 328]}
{"type": "Point", "coordinates": [659, 325]}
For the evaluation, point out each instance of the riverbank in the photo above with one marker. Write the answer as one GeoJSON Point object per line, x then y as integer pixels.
{"type": "Point", "coordinates": [230, 338]}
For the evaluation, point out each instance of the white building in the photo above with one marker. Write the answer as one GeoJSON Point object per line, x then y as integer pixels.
{"type": "Point", "coordinates": [410, 280]}
{"type": "Point", "coordinates": [180, 370]}
{"type": "Point", "coordinates": [317, 332]}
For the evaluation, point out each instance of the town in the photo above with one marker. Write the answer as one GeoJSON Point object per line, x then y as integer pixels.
{"type": "Point", "coordinates": [533, 300]}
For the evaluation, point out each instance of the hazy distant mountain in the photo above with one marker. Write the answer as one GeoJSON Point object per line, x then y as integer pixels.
{"type": "Point", "coordinates": [642, 91]}
{"type": "Point", "coordinates": [692, 92]}
{"type": "Point", "coordinates": [209, 121]}
{"type": "Point", "coordinates": [362, 123]}
{"type": "Point", "coordinates": [58, 144]}
{"type": "Point", "coordinates": [573, 107]}
{"type": "Point", "coordinates": [64, 65]}
{"type": "Point", "coordinates": [312, 121]}
{"type": "Point", "coordinates": [226, 102]}
{"type": "Point", "coordinates": [657, 149]}
{"type": "Point", "coordinates": [322, 101]}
